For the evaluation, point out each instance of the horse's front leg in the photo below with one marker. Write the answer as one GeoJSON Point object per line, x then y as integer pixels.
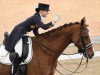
{"type": "Point", "coordinates": [53, 68]}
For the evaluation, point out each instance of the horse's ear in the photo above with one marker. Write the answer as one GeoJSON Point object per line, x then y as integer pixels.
{"type": "Point", "coordinates": [83, 21]}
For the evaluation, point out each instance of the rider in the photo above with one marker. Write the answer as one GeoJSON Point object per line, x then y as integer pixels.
{"type": "Point", "coordinates": [32, 23]}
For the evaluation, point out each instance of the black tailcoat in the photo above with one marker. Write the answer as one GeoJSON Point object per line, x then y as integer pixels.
{"type": "Point", "coordinates": [32, 23]}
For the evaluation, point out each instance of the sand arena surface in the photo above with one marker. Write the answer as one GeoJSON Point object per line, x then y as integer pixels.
{"type": "Point", "coordinates": [92, 68]}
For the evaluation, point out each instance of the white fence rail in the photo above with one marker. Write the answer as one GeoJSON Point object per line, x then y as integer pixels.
{"type": "Point", "coordinates": [95, 39]}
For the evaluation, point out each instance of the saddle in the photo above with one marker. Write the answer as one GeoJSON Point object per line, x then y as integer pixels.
{"type": "Point", "coordinates": [25, 52]}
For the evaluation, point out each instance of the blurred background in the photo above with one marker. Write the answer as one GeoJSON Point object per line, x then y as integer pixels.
{"type": "Point", "coordinates": [12, 12]}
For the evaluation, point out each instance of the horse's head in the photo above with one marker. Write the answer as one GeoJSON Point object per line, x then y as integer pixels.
{"type": "Point", "coordinates": [82, 41]}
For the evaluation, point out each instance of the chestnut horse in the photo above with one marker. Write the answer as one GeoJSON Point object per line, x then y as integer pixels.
{"type": "Point", "coordinates": [50, 45]}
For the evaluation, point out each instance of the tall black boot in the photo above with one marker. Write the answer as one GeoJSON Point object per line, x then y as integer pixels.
{"type": "Point", "coordinates": [22, 70]}
{"type": "Point", "coordinates": [15, 59]}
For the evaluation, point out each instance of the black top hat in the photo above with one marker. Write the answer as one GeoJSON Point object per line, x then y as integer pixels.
{"type": "Point", "coordinates": [42, 6]}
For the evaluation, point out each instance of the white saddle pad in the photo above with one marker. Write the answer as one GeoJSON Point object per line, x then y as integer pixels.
{"type": "Point", "coordinates": [4, 54]}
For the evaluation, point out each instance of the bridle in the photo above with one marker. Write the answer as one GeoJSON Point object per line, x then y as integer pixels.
{"type": "Point", "coordinates": [84, 45]}
{"type": "Point", "coordinates": [83, 50]}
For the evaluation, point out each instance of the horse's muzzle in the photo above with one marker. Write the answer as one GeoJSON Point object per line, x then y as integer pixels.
{"type": "Point", "coordinates": [88, 55]}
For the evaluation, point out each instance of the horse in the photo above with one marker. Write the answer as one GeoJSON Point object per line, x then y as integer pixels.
{"type": "Point", "coordinates": [48, 46]}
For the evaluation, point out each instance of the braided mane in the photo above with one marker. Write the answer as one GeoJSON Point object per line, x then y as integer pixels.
{"type": "Point", "coordinates": [59, 28]}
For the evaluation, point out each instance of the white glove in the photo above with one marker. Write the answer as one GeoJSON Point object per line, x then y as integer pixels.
{"type": "Point", "coordinates": [55, 19]}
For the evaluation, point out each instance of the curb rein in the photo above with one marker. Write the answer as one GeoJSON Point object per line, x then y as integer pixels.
{"type": "Point", "coordinates": [83, 50]}
{"type": "Point", "coordinates": [85, 47]}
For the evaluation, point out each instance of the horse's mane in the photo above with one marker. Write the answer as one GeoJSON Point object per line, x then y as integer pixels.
{"type": "Point", "coordinates": [60, 27]}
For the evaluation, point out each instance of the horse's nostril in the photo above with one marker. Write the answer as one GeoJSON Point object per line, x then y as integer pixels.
{"type": "Point", "coordinates": [93, 54]}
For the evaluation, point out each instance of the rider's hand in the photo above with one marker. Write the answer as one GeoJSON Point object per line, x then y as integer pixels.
{"type": "Point", "coordinates": [55, 19]}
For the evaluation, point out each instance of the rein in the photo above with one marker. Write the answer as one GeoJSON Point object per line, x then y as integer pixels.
{"type": "Point", "coordinates": [50, 51]}
{"type": "Point", "coordinates": [75, 71]}
{"type": "Point", "coordinates": [54, 52]}
{"type": "Point", "coordinates": [83, 49]}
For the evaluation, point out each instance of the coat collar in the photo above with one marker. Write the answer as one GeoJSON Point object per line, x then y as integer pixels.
{"type": "Point", "coordinates": [41, 17]}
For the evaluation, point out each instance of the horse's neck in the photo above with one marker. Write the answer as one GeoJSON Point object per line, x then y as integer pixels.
{"type": "Point", "coordinates": [58, 40]}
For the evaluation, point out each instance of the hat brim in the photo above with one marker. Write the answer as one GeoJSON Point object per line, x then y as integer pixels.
{"type": "Point", "coordinates": [42, 9]}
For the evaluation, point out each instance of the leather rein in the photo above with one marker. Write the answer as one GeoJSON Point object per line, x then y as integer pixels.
{"type": "Point", "coordinates": [85, 47]}
{"type": "Point", "coordinates": [83, 50]}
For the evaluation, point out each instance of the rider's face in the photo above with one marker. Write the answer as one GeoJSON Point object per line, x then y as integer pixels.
{"type": "Point", "coordinates": [44, 13]}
